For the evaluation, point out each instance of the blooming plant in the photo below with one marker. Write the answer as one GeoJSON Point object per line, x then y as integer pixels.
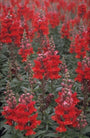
{"type": "Point", "coordinates": [21, 115]}
{"type": "Point", "coordinates": [45, 68]}
{"type": "Point", "coordinates": [66, 112]}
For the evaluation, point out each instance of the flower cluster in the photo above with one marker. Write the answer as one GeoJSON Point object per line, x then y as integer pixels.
{"type": "Point", "coordinates": [40, 24]}
{"type": "Point", "coordinates": [81, 10]}
{"type": "Point", "coordinates": [66, 112]}
{"type": "Point", "coordinates": [22, 116]}
{"type": "Point", "coordinates": [53, 18]}
{"type": "Point", "coordinates": [8, 111]}
{"type": "Point", "coordinates": [25, 50]}
{"type": "Point", "coordinates": [83, 70]}
{"type": "Point", "coordinates": [65, 30]}
{"type": "Point", "coordinates": [47, 66]}
{"type": "Point", "coordinates": [11, 31]}
{"type": "Point", "coordinates": [83, 76]}
{"type": "Point", "coordinates": [82, 121]}
{"type": "Point", "coordinates": [80, 45]}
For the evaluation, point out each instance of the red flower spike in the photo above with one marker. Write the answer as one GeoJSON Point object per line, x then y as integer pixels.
{"type": "Point", "coordinates": [80, 46]}
{"type": "Point", "coordinates": [9, 115]}
{"type": "Point", "coordinates": [47, 67]}
{"type": "Point", "coordinates": [66, 112]}
{"type": "Point", "coordinates": [53, 19]}
{"type": "Point", "coordinates": [11, 31]}
{"type": "Point", "coordinates": [65, 30]}
{"type": "Point", "coordinates": [83, 70]}
{"type": "Point", "coordinates": [28, 121]}
{"type": "Point", "coordinates": [25, 50]}
{"type": "Point", "coordinates": [40, 23]}
{"type": "Point", "coordinates": [23, 116]}
{"type": "Point", "coordinates": [81, 10]}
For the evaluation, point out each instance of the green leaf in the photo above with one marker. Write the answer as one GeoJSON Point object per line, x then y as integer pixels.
{"type": "Point", "coordinates": [6, 126]}
{"type": "Point", "coordinates": [7, 136]}
{"type": "Point", "coordinates": [51, 135]}
{"type": "Point", "coordinates": [25, 88]}
{"type": "Point", "coordinates": [40, 132]}
{"type": "Point", "coordinates": [86, 130]}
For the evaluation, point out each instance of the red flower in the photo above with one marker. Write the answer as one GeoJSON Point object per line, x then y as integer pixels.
{"type": "Point", "coordinates": [25, 52]}
{"type": "Point", "coordinates": [66, 112]}
{"type": "Point", "coordinates": [51, 66]}
{"type": "Point", "coordinates": [11, 31]}
{"type": "Point", "coordinates": [81, 10]}
{"type": "Point", "coordinates": [40, 23]}
{"type": "Point", "coordinates": [62, 4]}
{"type": "Point", "coordinates": [47, 3]}
{"type": "Point", "coordinates": [47, 67]}
{"type": "Point", "coordinates": [83, 70]}
{"type": "Point", "coordinates": [80, 46]}
{"type": "Point", "coordinates": [23, 116]}
{"type": "Point", "coordinates": [71, 7]}
{"type": "Point", "coordinates": [87, 17]}
{"type": "Point", "coordinates": [4, 33]}
{"type": "Point", "coordinates": [53, 19]}
{"type": "Point", "coordinates": [9, 114]}
{"type": "Point", "coordinates": [88, 37]}
{"type": "Point", "coordinates": [65, 30]}
{"type": "Point", "coordinates": [38, 70]}
{"type": "Point", "coordinates": [61, 128]}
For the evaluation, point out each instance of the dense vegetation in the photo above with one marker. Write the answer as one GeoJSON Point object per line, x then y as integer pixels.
{"type": "Point", "coordinates": [45, 69]}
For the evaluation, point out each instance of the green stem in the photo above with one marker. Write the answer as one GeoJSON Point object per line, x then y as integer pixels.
{"type": "Point", "coordinates": [52, 88]}
{"type": "Point", "coordinates": [42, 115]}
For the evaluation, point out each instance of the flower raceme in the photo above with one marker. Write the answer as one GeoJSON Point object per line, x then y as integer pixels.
{"type": "Point", "coordinates": [82, 10]}
{"type": "Point", "coordinates": [83, 70]}
{"type": "Point", "coordinates": [8, 111]}
{"type": "Point", "coordinates": [25, 50]}
{"type": "Point", "coordinates": [47, 66]}
{"type": "Point", "coordinates": [53, 19]}
{"type": "Point", "coordinates": [83, 76]}
{"type": "Point", "coordinates": [65, 30]}
{"type": "Point", "coordinates": [66, 112]}
{"type": "Point", "coordinates": [23, 116]}
{"type": "Point", "coordinates": [40, 24]}
{"type": "Point", "coordinates": [80, 46]}
{"type": "Point", "coordinates": [4, 34]}
{"type": "Point", "coordinates": [11, 31]}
